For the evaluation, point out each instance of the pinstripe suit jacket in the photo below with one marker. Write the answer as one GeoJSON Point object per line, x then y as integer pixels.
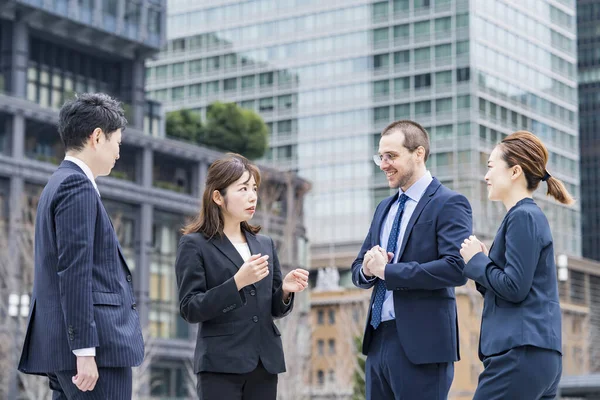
{"type": "Point", "coordinates": [82, 290]}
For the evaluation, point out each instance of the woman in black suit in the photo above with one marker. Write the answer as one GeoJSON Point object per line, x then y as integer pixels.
{"type": "Point", "coordinates": [230, 282]}
{"type": "Point", "coordinates": [520, 342]}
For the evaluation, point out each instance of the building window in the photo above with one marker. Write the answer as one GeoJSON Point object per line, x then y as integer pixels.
{"type": "Point", "coordinates": [443, 105]}
{"type": "Point", "coordinates": [266, 79]}
{"type": "Point", "coordinates": [401, 111]}
{"type": "Point", "coordinates": [423, 108]}
{"type": "Point", "coordinates": [381, 114]}
{"type": "Point", "coordinates": [248, 82]}
{"type": "Point", "coordinates": [465, 101]}
{"type": "Point", "coordinates": [230, 84]}
{"type": "Point", "coordinates": [265, 104]}
{"type": "Point", "coordinates": [320, 377]}
{"type": "Point", "coordinates": [331, 317]}
{"type": "Point", "coordinates": [401, 57]}
{"type": "Point", "coordinates": [422, 81]}
{"type": "Point", "coordinates": [321, 347]}
{"type": "Point", "coordinates": [381, 88]}
{"type": "Point", "coordinates": [320, 317]}
{"type": "Point", "coordinates": [331, 346]}
{"type": "Point", "coordinates": [463, 74]}
{"type": "Point", "coordinates": [331, 376]}
{"type": "Point", "coordinates": [381, 61]}
{"type": "Point", "coordinates": [577, 281]}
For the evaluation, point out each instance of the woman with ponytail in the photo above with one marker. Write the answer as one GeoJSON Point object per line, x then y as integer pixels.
{"type": "Point", "coordinates": [520, 340]}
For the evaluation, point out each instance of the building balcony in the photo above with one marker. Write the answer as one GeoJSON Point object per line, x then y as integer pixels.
{"type": "Point", "coordinates": [116, 25]}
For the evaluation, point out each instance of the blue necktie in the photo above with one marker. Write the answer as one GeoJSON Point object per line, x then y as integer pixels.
{"type": "Point", "coordinates": [380, 288]}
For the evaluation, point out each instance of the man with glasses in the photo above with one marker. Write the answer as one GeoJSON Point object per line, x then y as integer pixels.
{"type": "Point", "coordinates": [411, 259]}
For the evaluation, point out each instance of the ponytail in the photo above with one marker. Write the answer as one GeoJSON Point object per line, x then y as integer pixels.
{"type": "Point", "coordinates": [557, 190]}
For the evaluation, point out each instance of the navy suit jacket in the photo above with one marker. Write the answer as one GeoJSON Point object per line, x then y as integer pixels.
{"type": "Point", "coordinates": [236, 328]}
{"type": "Point", "coordinates": [82, 291]}
{"type": "Point", "coordinates": [518, 281]}
{"type": "Point", "coordinates": [429, 267]}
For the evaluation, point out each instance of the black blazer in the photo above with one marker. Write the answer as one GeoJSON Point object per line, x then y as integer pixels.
{"type": "Point", "coordinates": [236, 327]}
{"type": "Point", "coordinates": [82, 290]}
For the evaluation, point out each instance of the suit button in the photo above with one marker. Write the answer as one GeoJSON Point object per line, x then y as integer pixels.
{"type": "Point", "coordinates": [71, 337]}
{"type": "Point", "coordinates": [134, 306]}
{"type": "Point", "coordinates": [253, 292]}
{"type": "Point", "coordinates": [255, 318]}
{"type": "Point", "coordinates": [128, 278]}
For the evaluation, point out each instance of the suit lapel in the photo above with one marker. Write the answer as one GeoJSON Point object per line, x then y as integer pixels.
{"type": "Point", "coordinates": [120, 250]}
{"type": "Point", "coordinates": [225, 246]}
{"type": "Point", "coordinates": [380, 219]}
{"type": "Point", "coordinates": [425, 199]}
{"type": "Point", "coordinates": [254, 244]}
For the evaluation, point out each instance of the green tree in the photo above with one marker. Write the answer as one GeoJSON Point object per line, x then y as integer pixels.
{"type": "Point", "coordinates": [185, 125]}
{"type": "Point", "coordinates": [231, 128]}
{"type": "Point", "coordinates": [359, 373]}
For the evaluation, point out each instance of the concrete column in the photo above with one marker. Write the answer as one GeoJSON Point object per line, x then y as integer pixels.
{"type": "Point", "coordinates": [14, 280]}
{"type": "Point", "coordinates": [143, 262]}
{"type": "Point", "coordinates": [143, 24]}
{"type": "Point", "coordinates": [120, 18]}
{"type": "Point", "coordinates": [17, 137]}
{"type": "Point", "coordinates": [19, 58]}
{"type": "Point", "coordinates": [147, 167]}
{"type": "Point", "coordinates": [138, 92]}
{"type": "Point", "coordinates": [97, 19]}
{"type": "Point", "coordinates": [200, 179]}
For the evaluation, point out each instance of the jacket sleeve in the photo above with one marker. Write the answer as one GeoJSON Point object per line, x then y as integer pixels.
{"type": "Point", "coordinates": [358, 278]}
{"type": "Point", "coordinates": [513, 281]}
{"type": "Point", "coordinates": [454, 224]}
{"type": "Point", "coordinates": [197, 303]}
{"type": "Point", "coordinates": [75, 212]}
{"type": "Point", "coordinates": [279, 309]}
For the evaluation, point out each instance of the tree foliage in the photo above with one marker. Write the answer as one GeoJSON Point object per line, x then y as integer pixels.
{"type": "Point", "coordinates": [185, 125]}
{"type": "Point", "coordinates": [227, 128]}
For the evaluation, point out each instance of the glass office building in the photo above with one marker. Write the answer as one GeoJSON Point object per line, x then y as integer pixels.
{"type": "Point", "coordinates": [588, 38]}
{"type": "Point", "coordinates": [327, 76]}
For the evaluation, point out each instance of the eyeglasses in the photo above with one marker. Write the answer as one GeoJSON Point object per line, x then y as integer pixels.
{"type": "Point", "coordinates": [387, 157]}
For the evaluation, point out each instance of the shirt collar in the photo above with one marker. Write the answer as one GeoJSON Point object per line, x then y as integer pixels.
{"type": "Point", "coordinates": [415, 192]}
{"type": "Point", "coordinates": [86, 170]}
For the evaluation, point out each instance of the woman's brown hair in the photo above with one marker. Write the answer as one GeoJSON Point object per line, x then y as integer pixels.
{"type": "Point", "coordinates": [220, 175]}
{"type": "Point", "coordinates": [527, 150]}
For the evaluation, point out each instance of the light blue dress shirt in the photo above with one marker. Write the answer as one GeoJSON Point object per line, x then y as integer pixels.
{"type": "Point", "coordinates": [414, 193]}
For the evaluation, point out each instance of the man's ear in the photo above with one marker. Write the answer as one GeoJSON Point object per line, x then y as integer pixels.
{"type": "Point", "coordinates": [96, 136]}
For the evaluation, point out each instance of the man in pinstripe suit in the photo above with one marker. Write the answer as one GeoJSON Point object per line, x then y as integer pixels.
{"type": "Point", "coordinates": [84, 331]}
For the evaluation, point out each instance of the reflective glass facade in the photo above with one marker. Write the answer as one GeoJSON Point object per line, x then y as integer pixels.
{"type": "Point", "coordinates": [328, 76]}
{"type": "Point", "coordinates": [588, 36]}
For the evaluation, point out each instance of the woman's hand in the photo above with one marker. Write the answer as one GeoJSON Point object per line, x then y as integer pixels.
{"type": "Point", "coordinates": [252, 271]}
{"type": "Point", "coordinates": [470, 247]}
{"type": "Point", "coordinates": [295, 281]}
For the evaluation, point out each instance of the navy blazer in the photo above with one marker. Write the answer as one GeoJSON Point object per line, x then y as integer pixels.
{"type": "Point", "coordinates": [82, 291]}
{"type": "Point", "coordinates": [236, 328]}
{"type": "Point", "coordinates": [518, 281]}
{"type": "Point", "coordinates": [429, 267]}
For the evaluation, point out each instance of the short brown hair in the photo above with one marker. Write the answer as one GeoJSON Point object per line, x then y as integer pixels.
{"type": "Point", "coordinates": [527, 150]}
{"type": "Point", "coordinates": [221, 173]}
{"type": "Point", "coordinates": [414, 135]}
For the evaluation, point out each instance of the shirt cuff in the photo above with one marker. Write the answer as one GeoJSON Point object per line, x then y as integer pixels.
{"type": "Point", "coordinates": [371, 279]}
{"type": "Point", "coordinates": [287, 303]}
{"type": "Point", "coordinates": [87, 352]}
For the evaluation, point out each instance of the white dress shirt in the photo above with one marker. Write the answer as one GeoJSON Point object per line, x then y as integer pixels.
{"type": "Point", "coordinates": [414, 193]}
{"type": "Point", "coordinates": [89, 351]}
